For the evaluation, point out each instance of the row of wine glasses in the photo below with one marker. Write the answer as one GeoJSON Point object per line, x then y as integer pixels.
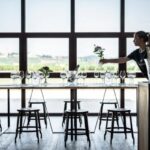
{"type": "Point", "coordinates": [17, 75]}
{"type": "Point", "coordinates": [80, 75]}
{"type": "Point", "coordinates": [109, 76]}
{"type": "Point", "coordinates": [36, 77]}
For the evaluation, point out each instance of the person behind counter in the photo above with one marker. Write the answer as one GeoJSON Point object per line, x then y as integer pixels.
{"type": "Point", "coordinates": [141, 39]}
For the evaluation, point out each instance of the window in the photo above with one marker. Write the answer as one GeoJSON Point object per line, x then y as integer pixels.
{"type": "Point", "coordinates": [10, 16]}
{"type": "Point", "coordinates": [52, 52]}
{"type": "Point", "coordinates": [9, 54]}
{"type": "Point", "coordinates": [97, 16]}
{"type": "Point", "coordinates": [88, 60]}
{"type": "Point", "coordinates": [47, 15]}
{"type": "Point", "coordinates": [137, 15]}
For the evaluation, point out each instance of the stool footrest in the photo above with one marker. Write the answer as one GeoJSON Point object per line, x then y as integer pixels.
{"type": "Point", "coordinates": [120, 130]}
{"type": "Point", "coordinates": [28, 130]}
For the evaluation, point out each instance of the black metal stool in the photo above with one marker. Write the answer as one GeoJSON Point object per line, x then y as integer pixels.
{"type": "Point", "coordinates": [104, 102]}
{"type": "Point", "coordinates": [44, 117]}
{"type": "Point", "coordinates": [101, 114]}
{"type": "Point", "coordinates": [115, 113]}
{"type": "Point", "coordinates": [73, 129]}
{"type": "Point", "coordinates": [21, 127]}
{"type": "Point", "coordinates": [66, 103]}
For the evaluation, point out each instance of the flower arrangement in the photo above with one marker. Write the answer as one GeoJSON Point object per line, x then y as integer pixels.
{"type": "Point", "coordinates": [45, 70]}
{"type": "Point", "coordinates": [98, 50]}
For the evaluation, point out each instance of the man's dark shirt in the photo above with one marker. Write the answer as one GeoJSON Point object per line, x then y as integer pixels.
{"type": "Point", "coordinates": [139, 58]}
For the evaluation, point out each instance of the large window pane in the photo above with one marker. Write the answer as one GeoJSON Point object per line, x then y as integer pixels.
{"type": "Point", "coordinates": [9, 54]}
{"type": "Point", "coordinates": [97, 16]}
{"type": "Point", "coordinates": [48, 15]}
{"type": "Point", "coordinates": [137, 15]}
{"type": "Point", "coordinates": [52, 52]}
{"type": "Point", "coordinates": [10, 16]}
{"type": "Point", "coordinates": [89, 61]}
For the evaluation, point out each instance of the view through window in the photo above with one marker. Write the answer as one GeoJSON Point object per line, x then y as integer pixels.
{"type": "Point", "coordinates": [50, 32]}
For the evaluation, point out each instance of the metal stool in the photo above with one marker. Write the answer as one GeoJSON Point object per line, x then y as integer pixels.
{"type": "Point", "coordinates": [21, 127]}
{"type": "Point", "coordinates": [74, 130]}
{"type": "Point", "coordinates": [44, 117]}
{"type": "Point", "coordinates": [66, 103]}
{"type": "Point", "coordinates": [104, 102]}
{"type": "Point", "coordinates": [101, 114]}
{"type": "Point", "coordinates": [115, 113]}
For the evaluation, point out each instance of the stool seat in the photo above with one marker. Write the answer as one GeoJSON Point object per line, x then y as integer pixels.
{"type": "Point", "coordinates": [115, 113]}
{"type": "Point", "coordinates": [108, 102]}
{"type": "Point", "coordinates": [21, 127]}
{"type": "Point", "coordinates": [28, 109]}
{"type": "Point", "coordinates": [74, 130]}
{"type": "Point", "coordinates": [43, 103]}
{"type": "Point", "coordinates": [119, 110]}
{"type": "Point", "coordinates": [37, 102]}
{"type": "Point", "coordinates": [80, 111]}
{"type": "Point", "coordinates": [101, 114]}
{"type": "Point", "coordinates": [66, 103]}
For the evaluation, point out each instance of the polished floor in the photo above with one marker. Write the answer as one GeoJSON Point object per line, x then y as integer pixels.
{"type": "Point", "coordinates": [52, 140]}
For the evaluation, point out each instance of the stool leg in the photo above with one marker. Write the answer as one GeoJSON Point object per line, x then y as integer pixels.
{"type": "Point", "coordinates": [106, 125]}
{"type": "Point", "coordinates": [66, 129]}
{"type": "Point", "coordinates": [131, 128]}
{"type": "Point", "coordinates": [39, 123]}
{"type": "Point", "coordinates": [80, 119]}
{"type": "Point", "coordinates": [101, 113]}
{"type": "Point", "coordinates": [45, 116]}
{"type": "Point", "coordinates": [29, 116]}
{"type": "Point", "coordinates": [72, 126]}
{"type": "Point", "coordinates": [117, 118]}
{"type": "Point", "coordinates": [124, 124]}
{"type": "Point", "coordinates": [64, 115]}
{"type": "Point", "coordinates": [17, 127]}
{"type": "Point", "coordinates": [21, 118]}
{"type": "Point", "coordinates": [75, 125]}
{"type": "Point", "coordinates": [36, 124]}
{"type": "Point", "coordinates": [112, 126]}
{"type": "Point", "coordinates": [87, 128]}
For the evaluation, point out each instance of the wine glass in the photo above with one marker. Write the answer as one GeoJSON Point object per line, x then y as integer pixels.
{"type": "Point", "coordinates": [63, 76]}
{"type": "Point", "coordinates": [21, 74]}
{"type": "Point", "coordinates": [102, 76]}
{"type": "Point", "coordinates": [122, 75]}
{"type": "Point", "coordinates": [96, 75]}
{"type": "Point", "coordinates": [13, 76]}
{"type": "Point", "coordinates": [41, 76]}
{"type": "Point", "coordinates": [84, 75]}
{"type": "Point", "coordinates": [108, 77]}
{"type": "Point", "coordinates": [131, 77]}
{"type": "Point", "coordinates": [28, 76]}
{"type": "Point", "coordinates": [115, 76]}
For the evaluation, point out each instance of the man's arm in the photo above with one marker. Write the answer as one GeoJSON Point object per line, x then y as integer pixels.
{"type": "Point", "coordinates": [120, 60]}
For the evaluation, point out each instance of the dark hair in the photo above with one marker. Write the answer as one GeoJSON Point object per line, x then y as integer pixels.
{"type": "Point", "coordinates": [148, 35]}
{"type": "Point", "coordinates": [142, 35]}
